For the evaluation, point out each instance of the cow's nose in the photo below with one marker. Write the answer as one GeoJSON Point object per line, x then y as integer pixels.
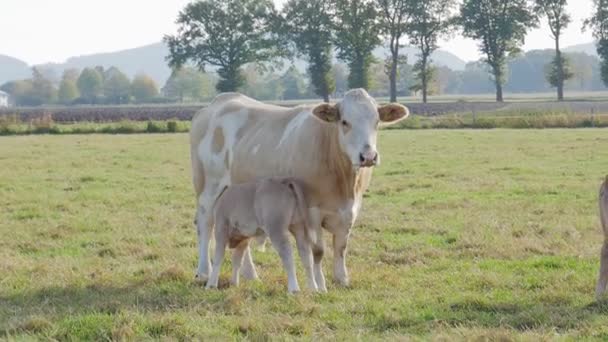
{"type": "Point", "coordinates": [368, 158]}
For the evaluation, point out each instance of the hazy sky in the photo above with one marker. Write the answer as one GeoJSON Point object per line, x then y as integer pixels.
{"type": "Point", "coordinates": [40, 31]}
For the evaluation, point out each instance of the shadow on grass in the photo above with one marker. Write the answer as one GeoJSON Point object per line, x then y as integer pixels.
{"type": "Point", "coordinates": [555, 314]}
{"type": "Point", "coordinates": [60, 303]}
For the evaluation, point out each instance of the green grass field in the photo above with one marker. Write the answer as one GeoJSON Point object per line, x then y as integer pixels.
{"type": "Point", "coordinates": [490, 235]}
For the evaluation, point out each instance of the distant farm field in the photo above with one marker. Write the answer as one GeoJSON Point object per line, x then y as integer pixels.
{"type": "Point", "coordinates": [467, 234]}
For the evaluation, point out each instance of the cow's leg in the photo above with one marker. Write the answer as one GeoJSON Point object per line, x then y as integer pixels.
{"type": "Point", "coordinates": [317, 252]}
{"type": "Point", "coordinates": [340, 241]}
{"type": "Point", "coordinates": [603, 277]}
{"type": "Point", "coordinates": [280, 242]}
{"type": "Point", "coordinates": [221, 239]}
{"type": "Point", "coordinates": [237, 260]}
{"type": "Point", "coordinates": [305, 251]}
{"type": "Point", "coordinates": [248, 270]}
{"type": "Point", "coordinates": [204, 231]}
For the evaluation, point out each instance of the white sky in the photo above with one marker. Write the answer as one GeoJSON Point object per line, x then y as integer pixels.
{"type": "Point", "coordinates": [40, 31]}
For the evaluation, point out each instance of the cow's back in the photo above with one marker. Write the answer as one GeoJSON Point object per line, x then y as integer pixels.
{"type": "Point", "coordinates": [220, 125]}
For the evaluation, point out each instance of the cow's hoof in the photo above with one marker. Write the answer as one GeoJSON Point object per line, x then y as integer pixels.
{"type": "Point", "coordinates": [249, 273]}
{"type": "Point", "coordinates": [201, 278]}
{"type": "Point", "coordinates": [342, 282]}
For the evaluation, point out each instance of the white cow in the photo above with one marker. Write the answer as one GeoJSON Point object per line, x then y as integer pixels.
{"type": "Point", "coordinates": [329, 147]}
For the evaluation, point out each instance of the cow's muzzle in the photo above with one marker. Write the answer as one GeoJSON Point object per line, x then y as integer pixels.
{"type": "Point", "coordinates": [368, 159]}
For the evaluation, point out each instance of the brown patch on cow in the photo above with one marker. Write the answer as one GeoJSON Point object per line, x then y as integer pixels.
{"type": "Point", "coordinates": [236, 239]}
{"type": "Point", "coordinates": [218, 140]}
{"type": "Point", "coordinates": [198, 176]}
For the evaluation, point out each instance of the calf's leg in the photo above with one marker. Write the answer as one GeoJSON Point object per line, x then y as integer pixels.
{"type": "Point", "coordinates": [280, 242]}
{"type": "Point", "coordinates": [248, 270]}
{"type": "Point", "coordinates": [305, 251]}
{"type": "Point", "coordinates": [237, 260]}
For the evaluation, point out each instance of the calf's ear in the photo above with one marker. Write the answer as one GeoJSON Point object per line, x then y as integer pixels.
{"type": "Point", "coordinates": [392, 113]}
{"type": "Point", "coordinates": [327, 112]}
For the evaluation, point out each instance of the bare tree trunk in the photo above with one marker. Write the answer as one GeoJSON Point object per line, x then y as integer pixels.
{"type": "Point", "coordinates": [560, 71]}
{"type": "Point", "coordinates": [393, 76]}
{"type": "Point", "coordinates": [326, 97]}
{"type": "Point", "coordinates": [424, 79]}
{"type": "Point", "coordinates": [498, 79]}
{"type": "Point", "coordinates": [499, 97]}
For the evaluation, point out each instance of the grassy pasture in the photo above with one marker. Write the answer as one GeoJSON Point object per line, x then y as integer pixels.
{"type": "Point", "coordinates": [463, 235]}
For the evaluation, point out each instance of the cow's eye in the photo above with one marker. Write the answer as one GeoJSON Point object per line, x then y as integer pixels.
{"type": "Point", "coordinates": [344, 123]}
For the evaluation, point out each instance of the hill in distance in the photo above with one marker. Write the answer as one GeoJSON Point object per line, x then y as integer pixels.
{"type": "Point", "coordinates": [588, 48]}
{"type": "Point", "coordinates": [150, 59]}
{"type": "Point", "coordinates": [13, 69]}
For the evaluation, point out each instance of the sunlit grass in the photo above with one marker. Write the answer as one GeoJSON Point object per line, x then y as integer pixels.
{"type": "Point", "coordinates": [463, 235]}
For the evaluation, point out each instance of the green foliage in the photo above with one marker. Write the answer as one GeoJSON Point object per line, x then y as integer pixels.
{"type": "Point", "coordinates": [558, 71]}
{"type": "Point", "coordinates": [558, 19]}
{"type": "Point", "coordinates": [356, 35]}
{"type": "Point", "coordinates": [262, 85]}
{"type": "Point", "coordinates": [68, 90]}
{"type": "Point", "coordinates": [227, 34]}
{"type": "Point", "coordinates": [394, 18]}
{"type": "Point", "coordinates": [186, 83]}
{"type": "Point", "coordinates": [308, 25]}
{"type": "Point", "coordinates": [90, 85]}
{"type": "Point", "coordinates": [500, 26]}
{"type": "Point", "coordinates": [117, 86]}
{"type": "Point", "coordinates": [599, 26]}
{"type": "Point", "coordinates": [144, 88]}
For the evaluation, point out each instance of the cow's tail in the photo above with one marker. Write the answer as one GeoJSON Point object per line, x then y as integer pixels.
{"type": "Point", "coordinates": [311, 232]}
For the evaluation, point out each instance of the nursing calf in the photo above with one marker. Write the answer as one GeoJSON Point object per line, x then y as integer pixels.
{"type": "Point", "coordinates": [274, 207]}
{"type": "Point", "coordinates": [603, 278]}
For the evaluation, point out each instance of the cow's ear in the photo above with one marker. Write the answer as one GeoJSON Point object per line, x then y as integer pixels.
{"type": "Point", "coordinates": [392, 113]}
{"type": "Point", "coordinates": [327, 112]}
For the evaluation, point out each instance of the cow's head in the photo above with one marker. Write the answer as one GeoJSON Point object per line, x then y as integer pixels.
{"type": "Point", "coordinates": [358, 118]}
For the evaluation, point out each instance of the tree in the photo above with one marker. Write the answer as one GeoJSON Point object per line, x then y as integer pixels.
{"type": "Point", "coordinates": [500, 26]}
{"type": "Point", "coordinates": [356, 35]}
{"type": "Point", "coordinates": [394, 19]}
{"type": "Point", "coordinates": [558, 20]}
{"type": "Point", "coordinates": [43, 90]}
{"type": "Point", "coordinates": [144, 88]}
{"type": "Point", "coordinates": [20, 92]}
{"type": "Point", "coordinates": [308, 25]}
{"type": "Point", "coordinates": [430, 20]}
{"type": "Point", "coordinates": [262, 85]}
{"type": "Point", "coordinates": [292, 83]}
{"type": "Point", "coordinates": [340, 75]}
{"type": "Point", "coordinates": [227, 34]}
{"type": "Point", "coordinates": [90, 85]}
{"type": "Point", "coordinates": [116, 86]}
{"type": "Point", "coordinates": [599, 25]}
{"type": "Point", "coordinates": [68, 91]}
{"type": "Point", "coordinates": [188, 83]}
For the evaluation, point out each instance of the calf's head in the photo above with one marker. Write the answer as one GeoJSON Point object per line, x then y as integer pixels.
{"type": "Point", "coordinates": [358, 118]}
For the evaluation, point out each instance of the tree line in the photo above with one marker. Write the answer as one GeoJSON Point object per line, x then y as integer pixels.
{"type": "Point", "coordinates": [96, 85]}
{"type": "Point", "coordinates": [230, 34]}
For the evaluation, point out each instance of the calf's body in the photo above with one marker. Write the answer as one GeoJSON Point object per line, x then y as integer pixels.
{"type": "Point", "coordinates": [272, 207]}
{"type": "Point", "coordinates": [603, 203]}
